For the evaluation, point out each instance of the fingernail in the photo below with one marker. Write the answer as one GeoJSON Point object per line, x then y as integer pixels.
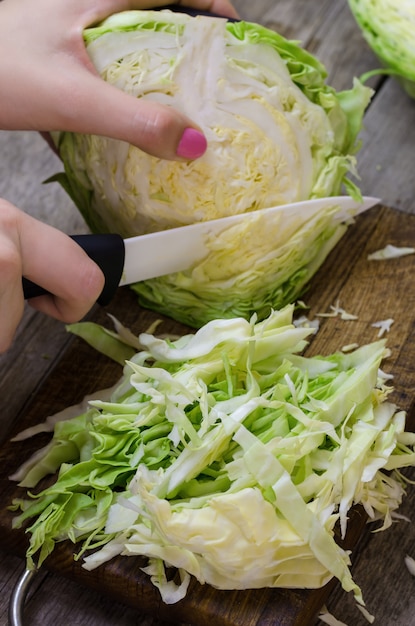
{"type": "Point", "coordinates": [192, 144]}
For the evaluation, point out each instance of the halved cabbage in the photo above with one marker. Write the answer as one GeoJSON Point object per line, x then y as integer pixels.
{"type": "Point", "coordinates": [277, 133]}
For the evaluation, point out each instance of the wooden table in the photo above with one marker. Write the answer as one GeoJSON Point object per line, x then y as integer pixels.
{"type": "Point", "coordinates": [386, 166]}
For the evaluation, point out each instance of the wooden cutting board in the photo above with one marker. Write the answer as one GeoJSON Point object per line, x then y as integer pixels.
{"type": "Point", "coordinates": [371, 290]}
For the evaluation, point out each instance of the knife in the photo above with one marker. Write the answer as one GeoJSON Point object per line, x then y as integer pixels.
{"type": "Point", "coordinates": [131, 260]}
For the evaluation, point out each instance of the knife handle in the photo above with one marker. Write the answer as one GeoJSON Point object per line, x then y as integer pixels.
{"type": "Point", "coordinates": [107, 250]}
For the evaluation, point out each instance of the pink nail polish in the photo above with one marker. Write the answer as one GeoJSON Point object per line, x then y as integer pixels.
{"type": "Point", "coordinates": [192, 144]}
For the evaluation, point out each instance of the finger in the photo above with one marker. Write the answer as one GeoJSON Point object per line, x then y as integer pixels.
{"type": "Point", "coordinates": [103, 8]}
{"type": "Point", "coordinates": [11, 297]}
{"type": "Point", "coordinates": [55, 262]}
{"type": "Point", "coordinates": [157, 129]}
{"type": "Point", "coordinates": [87, 104]}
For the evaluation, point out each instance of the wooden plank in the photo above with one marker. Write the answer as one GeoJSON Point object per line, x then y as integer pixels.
{"type": "Point", "coordinates": [387, 156]}
{"type": "Point", "coordinates": [53, 599]}
{"type": "Point", "coordinates": [347, 277]}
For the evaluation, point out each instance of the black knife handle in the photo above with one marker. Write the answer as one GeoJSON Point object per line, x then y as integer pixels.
{"type": "Point", "coordinates": [107, 251]}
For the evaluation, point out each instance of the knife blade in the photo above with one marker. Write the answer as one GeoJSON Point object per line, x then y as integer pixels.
{"type": "Point", "coordinates": [131, 260]}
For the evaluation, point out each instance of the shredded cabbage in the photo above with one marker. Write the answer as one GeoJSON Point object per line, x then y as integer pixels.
{"type": "Point", "coordinates": [225, 454]}
{"type": "Point", "coordinates": [388, 27]}
{"type": "Point", "coordinates": [390, 252]}
{"type": "Point", "coordinates": [277, 134]}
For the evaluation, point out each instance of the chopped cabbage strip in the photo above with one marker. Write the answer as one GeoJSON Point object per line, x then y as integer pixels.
{"type": "Point", "coordinates": [327, 618]}
{"type": "Point", "coordinates": [390, 252]}
{"type": "Point", "coordinates": [225, 454]}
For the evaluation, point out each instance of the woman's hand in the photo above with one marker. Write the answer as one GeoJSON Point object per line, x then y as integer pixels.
{"type": "Point", "coordinates": [48, 82]}
{"type": "Point", "coordinates": [48, 257]}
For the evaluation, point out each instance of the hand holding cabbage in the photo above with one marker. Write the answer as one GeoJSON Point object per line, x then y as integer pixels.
{"type": "Point", "coordinates": [47, 82]}
{"type": "Point", "coordinates": [276, 132]}
{"type": "Point", "coordinates": [43, 254]}
{"type": "Point", "coordinates": [52, 85]}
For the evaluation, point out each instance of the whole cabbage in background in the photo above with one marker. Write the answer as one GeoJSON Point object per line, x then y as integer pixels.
{"type": "Point", "coordinates": [277, 133]}
{"type": "Point", "coordinates": [389, 28]}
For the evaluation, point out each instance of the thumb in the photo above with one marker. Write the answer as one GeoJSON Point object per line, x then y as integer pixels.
{"type": "Point", "coordinates": [99, 108]}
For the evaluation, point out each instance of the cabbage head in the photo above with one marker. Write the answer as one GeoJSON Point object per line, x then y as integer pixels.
{"type": "Point", "coordinates": [277, 134]}
{"type": "Point", "coordinates": [388, 27]}
{"type": "Point", "coordinates": [225, 454]}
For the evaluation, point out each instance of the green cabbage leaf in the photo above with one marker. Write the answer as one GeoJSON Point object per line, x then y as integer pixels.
{"type": "Point", "coordinates": [227, 455]}
{"type": "Point", "coordinates": [388, 27]}
{"type": "Point", "coordinates": [252, 267]}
